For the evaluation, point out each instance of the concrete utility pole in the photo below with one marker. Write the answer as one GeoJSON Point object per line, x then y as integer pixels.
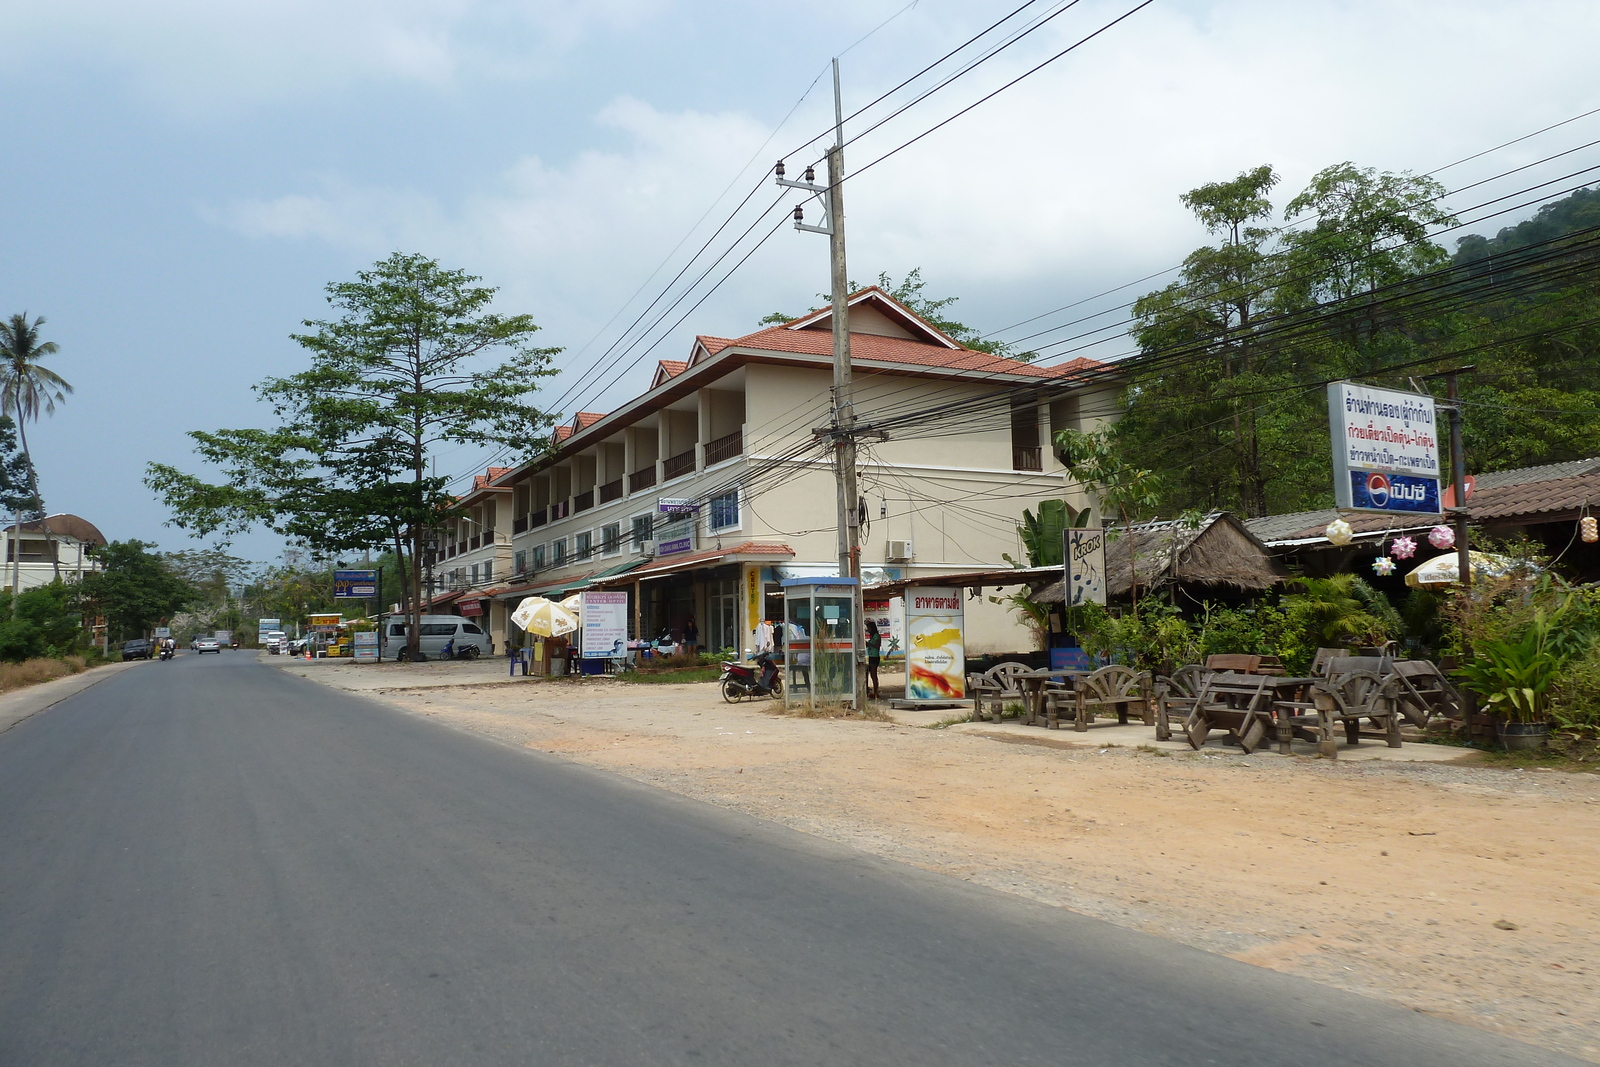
{"type": "Point", "coordinates": [842, 426]}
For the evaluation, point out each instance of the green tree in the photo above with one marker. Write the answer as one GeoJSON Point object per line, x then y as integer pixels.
{"type": "Point", "coordinates": [1095, 461]}
{"type": "Point", "coordinates": [26, 387]}
{"type": "Point", "coordinates": [134, 590]}
{"type": "Point", "coordinates": [398, 372]}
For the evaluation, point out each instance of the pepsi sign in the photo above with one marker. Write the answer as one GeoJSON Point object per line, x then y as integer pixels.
{"type": "Point", "coordinates": [1377, 491]}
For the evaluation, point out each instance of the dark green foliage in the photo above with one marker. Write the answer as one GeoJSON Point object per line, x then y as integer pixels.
{"type": "Point", "coordinates": [135, 590]}
{"type": "Point", "coordinates": [1578, 211]}
{"type": "Point", "coordinates": [46, 623]}
{"type": "Point", "coordinates": [1042, 533]}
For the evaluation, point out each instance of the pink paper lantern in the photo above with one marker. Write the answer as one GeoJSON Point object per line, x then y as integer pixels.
{"type": "Point", "coordinates": [1441, 537]}
{"type": "Point", "coordinates": [1403, 548]}
{"type": "Point", "coordinates": [1383, 566]}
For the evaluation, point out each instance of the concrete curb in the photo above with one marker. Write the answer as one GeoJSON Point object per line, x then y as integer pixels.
{"type": "Point", "coordinates": [26, 703]}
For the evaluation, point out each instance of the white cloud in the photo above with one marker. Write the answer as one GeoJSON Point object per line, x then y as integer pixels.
{"type": "Point", "coordinates": [1063, 185]}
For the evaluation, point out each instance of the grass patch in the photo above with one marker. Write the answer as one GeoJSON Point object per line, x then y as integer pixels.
{"type": "Point", "coordinates": [34, 671]}
{"type": "Point", "coordinates": [1543, 758]}
{"type": "Point", "coordinates": [953, 720]}
{"type": "Point", "coordinates": [1151, 750]}
{"type": "Point", "coordinates": [826, 711]}
{"type": "Point", "coordinates": [673, 675]}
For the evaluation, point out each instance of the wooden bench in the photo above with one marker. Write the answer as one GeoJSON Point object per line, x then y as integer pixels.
{"type": "Point", "coordinates": [1175, 697]}
{"type": "Point", "coordinates": [997, 687]}
{"type": "Point", "coordinates": [1349, 698]}
{"type": "Point", "coordinates": [1112, 688]}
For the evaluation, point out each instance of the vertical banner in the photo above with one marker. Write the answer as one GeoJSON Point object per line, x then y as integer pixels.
{"type": "Point", "coordinates": [935, 648]}
{"type": "Point", "coordinates": [605, 624]}
{"type": "Point", "coordinates": [752, 597]}
{"type": "Point", "coordinates": [1083, 558]}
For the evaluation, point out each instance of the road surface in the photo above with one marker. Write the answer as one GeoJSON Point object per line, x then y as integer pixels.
{"type": "Point", "coordinates": [211, 862]}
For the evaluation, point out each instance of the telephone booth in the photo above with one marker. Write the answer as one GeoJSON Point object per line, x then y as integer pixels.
{"type": "Point", "coordinates": [819, 647]}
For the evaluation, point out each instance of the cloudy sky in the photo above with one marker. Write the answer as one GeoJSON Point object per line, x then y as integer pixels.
{"type": "Point", "coordinates": [183, 177]}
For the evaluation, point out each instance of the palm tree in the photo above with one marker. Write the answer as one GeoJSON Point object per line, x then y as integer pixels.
{"type": "Point", "coordinates": [26, 386]}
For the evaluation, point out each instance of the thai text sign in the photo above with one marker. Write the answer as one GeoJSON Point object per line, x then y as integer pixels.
{"type": "Point", "coordinates": [355, 585]}
{"type": "Point", "coordinates": [1083, 557]}
{"type": "Point", "coordinates": [324, 622]}
{"type": "Point", "coordinates": [605, 624]}
{"type": "Point", "coordinates": [1385, 449]}
{"type": "Point", "coordinates": [935, 644]}
{"type": "Point", "coordinates": [364, 646]}
{"type": "Point", "coordinates": [675, 537]}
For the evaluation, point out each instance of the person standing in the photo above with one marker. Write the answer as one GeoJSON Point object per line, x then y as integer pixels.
{"type": "Point", "coordinates": [691, 636]}
{"type": "Point", "coordinates": [874, 655]}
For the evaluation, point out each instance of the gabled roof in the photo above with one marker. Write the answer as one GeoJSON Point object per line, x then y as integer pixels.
{"type": "Point", "coordinates": [562, 433]}
{"type": "Point", "coordinates": [667, 369]}
{"type": "Point", "coordinates": [875, 300]}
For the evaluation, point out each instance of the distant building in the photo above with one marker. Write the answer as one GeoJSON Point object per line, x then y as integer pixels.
{"type": "Point", "coordinates": [38, 550]}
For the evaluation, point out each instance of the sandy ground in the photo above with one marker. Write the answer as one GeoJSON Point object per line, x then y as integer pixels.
{"type": "Point", "coordinates": [1465, 892]}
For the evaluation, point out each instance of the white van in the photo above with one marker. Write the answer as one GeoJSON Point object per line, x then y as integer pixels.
{"type": "Point", "coordinates": [436, 632]}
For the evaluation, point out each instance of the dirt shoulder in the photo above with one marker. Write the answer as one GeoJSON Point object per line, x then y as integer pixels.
{"type": "Point", "coordinates": [1388, 879]}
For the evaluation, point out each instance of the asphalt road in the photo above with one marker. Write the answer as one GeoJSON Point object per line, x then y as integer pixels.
{"type": "Point", "coordinates": [210, 862]}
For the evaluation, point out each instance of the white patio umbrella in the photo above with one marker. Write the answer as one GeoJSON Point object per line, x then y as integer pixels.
{"type": "Point", "coordinates": [1446, 569]}
{"type": "Point", "coordinates": [536, 615]}
{"type": "Point", "coordinates": [573, 603]}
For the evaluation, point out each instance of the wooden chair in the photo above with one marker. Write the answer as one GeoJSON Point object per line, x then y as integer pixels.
{"type": "Point", "coordinates": [1232, 661]}
{"type": "Point", "coordinates": [1322, 664]}
{"type": "Point", "coordinates": [1238, 703]}
{"type": "Point", "coordinates": [1418, 690]}
{"type": "Point", "coordinates": [1175, 697]}
{"type": "Point", "coordinates": [1349, 698]}
{"type": "Point", "coordinates": [1114, 687]}
{"type": "Point", "coordinates": [1270, 665]}
{"type": "Point", "coordinates": [996, 687]}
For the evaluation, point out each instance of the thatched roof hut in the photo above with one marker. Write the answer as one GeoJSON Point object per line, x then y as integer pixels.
{"type": "Point", "coordinates": [1218, 552]}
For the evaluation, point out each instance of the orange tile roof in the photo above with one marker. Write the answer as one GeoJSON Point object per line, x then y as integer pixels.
{"type": "Point", "coordinates": [498, 472]}
{"type": "Point", "coordinates": [673, 367]}
{"type": "Point", "coordinates": [563, 432]}
{"type": "Point", "coordinates": [584, 419]}
{"type": "Point", "coordinates": [875, 347]}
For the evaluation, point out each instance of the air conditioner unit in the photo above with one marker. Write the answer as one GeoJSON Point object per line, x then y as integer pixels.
{"type": "Point", "coordinates": [647, 548]}
{"type": "Point", "coordinates": [898, 552]}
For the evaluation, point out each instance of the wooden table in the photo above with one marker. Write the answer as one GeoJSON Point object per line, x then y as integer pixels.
{"type": "Point", "coordinates": [1245, 705]}
{"type": "Point", "coordinates": [1032, 684]}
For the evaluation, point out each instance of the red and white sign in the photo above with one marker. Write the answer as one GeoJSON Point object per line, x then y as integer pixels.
{"type": "Point", "coordinates": [470, 608]}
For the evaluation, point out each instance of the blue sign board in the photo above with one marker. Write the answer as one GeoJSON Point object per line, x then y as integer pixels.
{"type": "Point", "coordinates": [1376, 491]}
{"type": "Point", "coordinates": [355, 585]}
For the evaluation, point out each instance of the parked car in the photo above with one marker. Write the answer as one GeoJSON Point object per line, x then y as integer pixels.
{"type": "Point", "coordinates": [207, 644]}
{"type": "Point", "coordinates": [277, 642]}
{"type": "Point", "coordinates": [138, 648]}
{"type": "Point", "coordinates": [436, 631]}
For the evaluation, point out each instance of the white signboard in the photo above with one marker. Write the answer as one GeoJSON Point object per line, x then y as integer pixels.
{"type": "Point", "coordinates": [1385, 449]}
{"type": "Point", "coordinates": [935, 644]}
{"type": "Point", "coordinates": [364, 646]}
{"type": "Point", "coordinates": [1083, 555]}
{"type": "Point", "coordinates": [605, 624]}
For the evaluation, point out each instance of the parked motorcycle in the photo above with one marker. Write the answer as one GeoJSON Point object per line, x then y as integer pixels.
{"type": "Point", "coordinates": [761, 679]}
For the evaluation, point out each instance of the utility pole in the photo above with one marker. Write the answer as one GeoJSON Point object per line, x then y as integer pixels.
{"type": "Point", "coordinates": [841, 427]}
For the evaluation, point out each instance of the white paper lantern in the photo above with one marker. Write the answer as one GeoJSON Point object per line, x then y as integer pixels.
{"type": "Point", "coordinates": [1339, 532]}
{"type": "Point", "coordinates": [1591, 529]}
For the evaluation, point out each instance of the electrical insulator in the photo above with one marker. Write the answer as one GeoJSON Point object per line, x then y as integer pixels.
{"type": "Point", "coordinates": [778, 170]}
{"type": "Point", "coordinates": [799, 213]}
{"type": "Point", "coordinates": [811, 174]}
{"type": "Point", "coordinates": [1590, 528]}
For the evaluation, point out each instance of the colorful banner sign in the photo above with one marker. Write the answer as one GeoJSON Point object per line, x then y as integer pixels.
{"type": "Point", "coordinates": [675, 537]}
{"type": "Point", "coordinates": [605, 624]}
{"type": "Point", "coordinates": [355, 585]}
{"type": "Point", "coordinates": [324, 622]}
{"type": "Point", "coordinates": [1385, 449]}
{"type": "Point", "coordinates": [676, 505]}
{"type": "Point", "coordinates": [935, 644]}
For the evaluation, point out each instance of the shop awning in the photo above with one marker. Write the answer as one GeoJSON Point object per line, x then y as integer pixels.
{"type": "Point", "coordinates": [748, 552]}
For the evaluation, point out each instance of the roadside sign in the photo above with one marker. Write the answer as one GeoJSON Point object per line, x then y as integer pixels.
{"type": "Point", "coordinates": [364, 646]}
{"type": "Point", "coordinates": [355, 585]}
{"type": "Point", "coordinates": [1385, 449]}
{"type": "Point", "coordinates": [1083, 557]}
{"type": "Point", "coordinates": [324, 622]}
{"type": "Point", "coordinates": [163, 631]}
{"type": "Point", "coordinates": [605, 624]}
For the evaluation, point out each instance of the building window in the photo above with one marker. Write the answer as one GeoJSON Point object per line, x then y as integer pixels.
{"type": "Point", "coordinates": [538, 557]}
{"type": "Point", "coordinates": [611, 539]}
{"type": "Point", "coordinates": [558, 552]}
{"type": "Point", "coordinates": [641, 531]}
{"type": "Point", "coordinates": [472, 576]}
{"type": "Point", "coordinates": [585, 545]}
{"type": "Point", "coordinates": [519, 560]}
{"type": "Point", "coordinates": [724, 510]}
{"type": "Point", "coordinates": [488, 570]}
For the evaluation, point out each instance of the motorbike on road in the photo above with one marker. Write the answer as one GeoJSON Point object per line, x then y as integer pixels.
{"type": "Point", "coordinates": [740, 681]}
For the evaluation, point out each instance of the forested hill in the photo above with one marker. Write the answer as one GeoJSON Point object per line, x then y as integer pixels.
{"type": "Point", "coordinates": [1580, 211]}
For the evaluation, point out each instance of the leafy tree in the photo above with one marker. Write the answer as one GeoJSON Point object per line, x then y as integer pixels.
{"type": "Point", "coordinates": [45, 623]}
{"type": "Point", "coordinates": [397, 373]}
{"type": "Point", "coordinates": [1042, 533]}
{"type": "Point", "coordinates": [134, 590]}
{"type": "Point", "coordinates": [1094, 460]}
{"type": "Point", "coordinates": [26, 386]}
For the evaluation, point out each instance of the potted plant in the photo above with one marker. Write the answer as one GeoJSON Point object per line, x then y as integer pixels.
{"type": "Point", "coordinates": [1514, 674]}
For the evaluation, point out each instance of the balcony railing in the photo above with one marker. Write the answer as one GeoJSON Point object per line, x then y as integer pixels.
{"type": "Point", "coordinates": [519, 525]}
{"type": "Point", "coordinates": [475, 541]}
{"type": "Point", "coordinates": [642, 479]}
{"type": "Point", "coordinates": [539, 518]}
{"type": "Point", "coordinates": [611, 491]}
{"type": "Point", "coordinates": [559, 510]}
{"type": "Point", "coordinates": [1027, 458]}
{"type": "Point", "coordinates": [678, 465]}
{"type": "Point", "coordinates": [583, 501]}
{"type": "Point", "coordinates": [461, 546]}
{"type": "Point", "coordinates": [724, 448]}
